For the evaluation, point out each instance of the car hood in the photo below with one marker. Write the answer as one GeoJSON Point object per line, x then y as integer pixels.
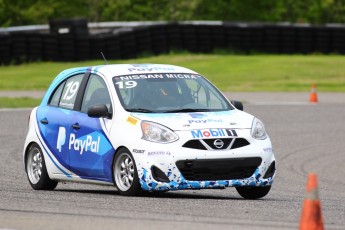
{"type": "Point", "coordinates": [234, 119]}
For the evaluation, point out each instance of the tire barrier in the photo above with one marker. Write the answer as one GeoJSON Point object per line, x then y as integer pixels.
{"type": "Point", "coordinates": [70, 40]}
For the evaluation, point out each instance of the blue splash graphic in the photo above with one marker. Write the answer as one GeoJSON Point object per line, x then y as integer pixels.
{"type": "Point", "coordinates": [178, 182]}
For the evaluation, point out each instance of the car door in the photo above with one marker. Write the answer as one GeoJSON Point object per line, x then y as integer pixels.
{"type": "Point", "coordinates": [90, 151]}
{"type": "Point", "coordinates": [54, 119]}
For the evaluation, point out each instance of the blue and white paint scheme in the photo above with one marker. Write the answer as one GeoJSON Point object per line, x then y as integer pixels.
{"type": "Point", "coordinates": [77, 147]}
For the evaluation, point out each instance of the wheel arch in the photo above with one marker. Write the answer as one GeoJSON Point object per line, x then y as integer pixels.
{"type": "Point", "coordinates": [27, 149]}
{"type": "Point", "coordinates": [113, 160]}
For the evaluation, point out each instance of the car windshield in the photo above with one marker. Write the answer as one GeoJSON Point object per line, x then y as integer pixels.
{"type": "Point", "coordinates": [168, 93]}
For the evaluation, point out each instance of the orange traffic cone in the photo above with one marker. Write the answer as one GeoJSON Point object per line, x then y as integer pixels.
{"type": "Point", "coordinates": [311, 218]}
{"type": "Point", "coordinates": [313, 94]}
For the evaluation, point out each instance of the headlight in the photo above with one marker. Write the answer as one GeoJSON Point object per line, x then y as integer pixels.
{"type": "Point", "coordinates": [258, 130]}
{"type": "Point", "coordinates": [157, 133]}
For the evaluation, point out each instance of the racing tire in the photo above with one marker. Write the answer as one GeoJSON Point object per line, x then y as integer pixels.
{"type": "Point", "coordinates": [253, 193]}
{"type": "Point", "coordinates": [125, 174]}
{"type": "Point", "coordinates": [36, 169]}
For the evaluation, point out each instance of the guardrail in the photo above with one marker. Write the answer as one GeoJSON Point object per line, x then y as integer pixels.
{"type": "Point", "coordinates": [76, 41]}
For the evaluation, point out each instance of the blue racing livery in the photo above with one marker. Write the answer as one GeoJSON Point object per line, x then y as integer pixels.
{"type": "Point", "coordinates": [120, 125]}
{"type": "Point", "coordinates": [86, 152]}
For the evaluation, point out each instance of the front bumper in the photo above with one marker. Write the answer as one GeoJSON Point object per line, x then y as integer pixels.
{"type": "Point", "coordinates": [179, 182]}
{"type": "Point", "coordinates": [186, 168]}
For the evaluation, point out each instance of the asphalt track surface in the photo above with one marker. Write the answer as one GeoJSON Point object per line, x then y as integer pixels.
{"type": "Point", "coordinates": [306, 138]}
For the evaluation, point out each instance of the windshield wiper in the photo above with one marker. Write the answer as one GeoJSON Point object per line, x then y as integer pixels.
{"type": "Point", "coordinates": [140, 110]}
{"type": "Point", "coordinates": [186, 110]}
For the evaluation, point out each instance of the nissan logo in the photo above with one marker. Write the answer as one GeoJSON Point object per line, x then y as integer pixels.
{"type": "Point", "coordinates": [218, 143]}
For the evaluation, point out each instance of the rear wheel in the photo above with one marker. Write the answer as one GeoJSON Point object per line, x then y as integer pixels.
{"type": "Point", "coordinates": [253, 192]}
{"type": "Point", "coordinates": [125, 174]}
{"type": "Point", "coordinates": [37, 171]}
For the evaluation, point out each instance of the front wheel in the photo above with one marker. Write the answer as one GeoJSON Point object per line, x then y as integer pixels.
{"type": "Point", "coordinates": [253, 192]}
{"type": "Point", "coordinates": [37, 171]}
{"type": "Point", "coordinates": [125, 174]}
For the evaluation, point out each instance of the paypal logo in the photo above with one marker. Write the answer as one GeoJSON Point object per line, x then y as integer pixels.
{"type": "Point", "coordinates": [84, 144]}
{"type": "Point", "coordinates": [198, 118]}
{"type": "Point", "coordinates": [61, 138]}
{"type": "Point", "coordinates": [149, 69]}
{"type": "Point", "coordinates": [204, 121]}
{"type": "Point", "coordinates": [81, 144]}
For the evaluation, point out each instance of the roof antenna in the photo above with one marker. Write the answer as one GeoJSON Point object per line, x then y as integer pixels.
{"type": "Point", "coordinates": [105, 60]}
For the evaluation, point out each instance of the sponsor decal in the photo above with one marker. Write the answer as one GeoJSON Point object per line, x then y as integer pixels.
{"type": "Point", "coordinates": [132, 120]}
{"type": "Point", "coordinates": [66, 105]}
{"type": "Point", "coordinates": [140, 76]}
{"type": "Point", "coordinates": [150, 69]}
{"type": "Point", "coordinates": [198, 119]}
{"type": "Point", "coordinates": [82, 144]}
{"type": "Point", "coordinates": [204, 121]}
{"type": "Point", "coordinates": [178, 75]}
{"type": "Point", "coordinates": [61, 138]}
{"type": "Point", "coordinates": [157, 153]}
{"type": "Point", "coordinates": [87, 144]}
{"type": "Point", "coordinates": [213, 133]}
{"type": "Point", "coordinates": [231, 132]}
{"type": "Point", "coordinates": [155, 75]}
{"type": "Point", "coordinates": [138, 151]}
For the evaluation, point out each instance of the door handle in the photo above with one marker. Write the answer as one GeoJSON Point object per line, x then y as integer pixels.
{"type": "Point", "coordinates": [44, 121]}
{"type": "Point", "coordinates": [76, 126]}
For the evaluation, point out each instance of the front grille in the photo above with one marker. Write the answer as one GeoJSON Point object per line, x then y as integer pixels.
{"type": "Point", "coordinates": [194, 144]}
{"type": "Point", "coordinates": [228, 143]}
{"type": "Point", "coordinates": [211, 142]}
{"type": "Point", "coordinates": [239, 142]}
{"type": "Point", "coordinates": [218, 169]}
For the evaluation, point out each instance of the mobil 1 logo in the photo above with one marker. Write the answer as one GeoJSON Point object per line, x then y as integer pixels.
{"type": "Point", "coordinates": [213, 133]}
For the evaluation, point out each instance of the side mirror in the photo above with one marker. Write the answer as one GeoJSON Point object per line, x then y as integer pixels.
{"type": "Point", "coordinates": [238, 105]}
{"type": "Point", "coordinates": [99, 111]}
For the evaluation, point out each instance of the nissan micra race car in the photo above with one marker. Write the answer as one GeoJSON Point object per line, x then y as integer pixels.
{"type": "Point", "coordinates": [145, 127]}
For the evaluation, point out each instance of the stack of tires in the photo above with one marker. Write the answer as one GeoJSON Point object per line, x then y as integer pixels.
{"type": "Point", "coordinates": [73, 39]}
{"type": "Point", "coordinates": [5, 49]}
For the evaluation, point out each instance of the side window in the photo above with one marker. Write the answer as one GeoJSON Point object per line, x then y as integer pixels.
{"type": "Point", "coordinates": [54, 100]}
{"type": "Point", "coordinates": [70, 91]}
{"type": "Point", "coordinates": [96, 93]}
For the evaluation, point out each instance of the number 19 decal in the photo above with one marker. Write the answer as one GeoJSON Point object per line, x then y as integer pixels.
{"type": "Point", "coordinates": [126, 85]}
{"type": "Point", "coordinates": [72, 89]}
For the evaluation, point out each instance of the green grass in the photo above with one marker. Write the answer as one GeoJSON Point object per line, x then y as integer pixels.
{"type": "Point", "coordinates": [229, 72]}
{"type": "Point", "coordinates": [19, 102]}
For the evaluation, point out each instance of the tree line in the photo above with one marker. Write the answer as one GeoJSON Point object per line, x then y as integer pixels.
{"type": "Point", "coordinates": [27, 12]}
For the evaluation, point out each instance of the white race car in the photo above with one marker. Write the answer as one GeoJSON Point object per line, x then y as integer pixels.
{"type": "Point", "coordinates": [145, 127]}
